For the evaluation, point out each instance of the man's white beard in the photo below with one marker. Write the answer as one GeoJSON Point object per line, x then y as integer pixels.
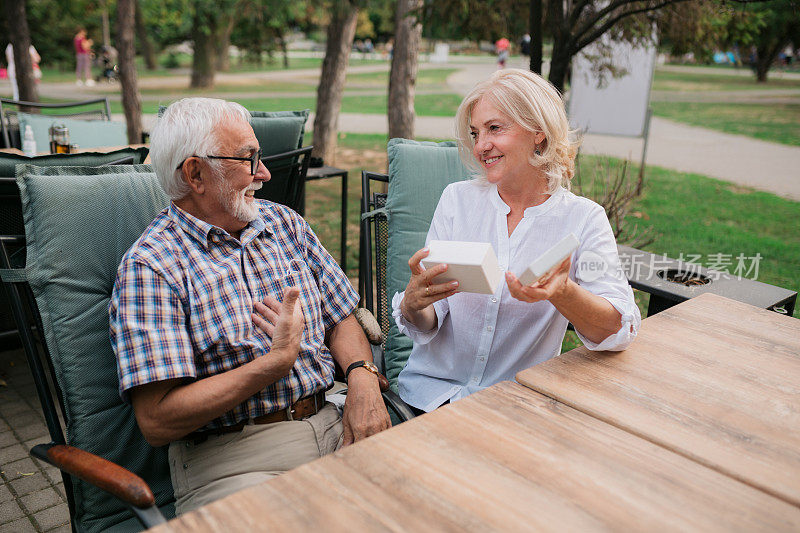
{"type": "Point", "coordinates": [234, 201]}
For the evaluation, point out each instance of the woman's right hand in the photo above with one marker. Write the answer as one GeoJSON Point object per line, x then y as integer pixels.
{"type": "Point", "coordinates": [421, 293]}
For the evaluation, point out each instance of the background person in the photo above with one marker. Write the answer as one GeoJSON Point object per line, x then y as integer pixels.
{"type": "Point", "coordinates": [12, 72]}
{"type": "Point", "coordinates": [83, 58]}
{"type": "Point", "coordinates": [513, 131]}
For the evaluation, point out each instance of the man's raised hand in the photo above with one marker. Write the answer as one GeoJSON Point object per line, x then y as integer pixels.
{"type": "Point", "coordinates": [283, 322]}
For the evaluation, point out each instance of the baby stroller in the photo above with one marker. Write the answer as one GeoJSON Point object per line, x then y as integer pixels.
{"type": "Point", "coordinates": [107, 61]}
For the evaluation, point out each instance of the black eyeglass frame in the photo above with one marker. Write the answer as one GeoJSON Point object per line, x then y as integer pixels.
{"type": "Point", "coordinates": [254, 159]}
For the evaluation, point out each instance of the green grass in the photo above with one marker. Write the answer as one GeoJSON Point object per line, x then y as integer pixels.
{"type": "Point", "coordinates": [770, 122]}
{"type": "Point", "coordinates": [55, 74]}
{"type": "Point", "coordinates": [425, 77]}
{"type": "Point", "coordinates": [702, 82]}
{"type": "Point", "coordinates": [440, 105]}
{"type": "Point", "coordinates": [255, 86]}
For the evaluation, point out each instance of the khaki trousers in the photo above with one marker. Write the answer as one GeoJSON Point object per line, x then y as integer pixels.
{"type": "Point", "coordinates": [224, 464]}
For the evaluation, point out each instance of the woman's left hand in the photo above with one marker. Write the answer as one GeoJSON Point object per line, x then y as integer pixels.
{"type": "Point", "coordinates": [552, 285]}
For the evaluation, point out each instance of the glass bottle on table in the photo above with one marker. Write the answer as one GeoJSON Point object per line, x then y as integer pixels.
{"type": "Point", "coordinates": [29, 143]}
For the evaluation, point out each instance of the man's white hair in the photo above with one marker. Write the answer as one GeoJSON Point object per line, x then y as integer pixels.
{"type": "Point", "coordinates": [188, 128]}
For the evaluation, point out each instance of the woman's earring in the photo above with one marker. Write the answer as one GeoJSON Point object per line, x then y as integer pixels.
{"type": "Point", "coordinates": [537, 151]}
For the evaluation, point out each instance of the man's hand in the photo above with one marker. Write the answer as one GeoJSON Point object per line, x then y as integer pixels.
{"type": "Point", "coordinates": [284, 322]}
{"type": "Point", "coordinates": [364, 412]}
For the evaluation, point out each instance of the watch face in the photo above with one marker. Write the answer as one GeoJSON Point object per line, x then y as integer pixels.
{"type": "Point", "coordinates": [370, 366]}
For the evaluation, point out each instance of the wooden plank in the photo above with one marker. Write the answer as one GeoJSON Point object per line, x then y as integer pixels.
{"type": "Point", "coordinates": [713, 379]}
{"type": "Point", "coordinates": [505, 459]}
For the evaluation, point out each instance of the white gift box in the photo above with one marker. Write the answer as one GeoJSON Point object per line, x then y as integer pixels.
{"type": "Point", "coordinates": [472, 264]}
{"type": "Point", "coordinates": [549, 260]}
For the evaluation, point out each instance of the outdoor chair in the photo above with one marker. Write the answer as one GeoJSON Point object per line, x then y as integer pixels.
{"type": "Point", "coordinates": [287, 184]}
{"type": "Point", "coordinates": [397, 223]}
{"type": "Point", "coordinates": [79, 222]}
{"type": "Point", "coordinates": [89, 123]}
{"type": "Point", "coordinates": [11, 222]}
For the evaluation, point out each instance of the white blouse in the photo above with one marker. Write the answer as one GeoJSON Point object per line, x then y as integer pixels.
{"type": "Point", "coordinates": [479, 339]}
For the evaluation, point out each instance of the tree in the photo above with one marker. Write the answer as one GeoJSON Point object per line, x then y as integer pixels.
{"type": "Point", "coordinates": [779, 26]}
{"type": "Point", "coordinates": [264, 24]}
{"type": "Point", "coordinates": [145, 44]}
{"type": "Point", "coordinates": [576, 25]}
{"type": "Point", "coordinates": [21, 41]}
{"type": "Point", "coordinates": [340, 33]}
{"type": "Point", "coordinates": [210, 22]}
{"type": "Point", "coordinates": [131, 101]}
{"type": "Point", "coordinates": [403, 76]}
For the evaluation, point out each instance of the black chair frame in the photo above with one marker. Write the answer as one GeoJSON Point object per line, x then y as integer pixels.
{"type": "Point", "coordinates": [293, 167]}
{"type": "Point", "coordinates": [11, 136]}
{"type": "Point", "coordinates": [372, 256]}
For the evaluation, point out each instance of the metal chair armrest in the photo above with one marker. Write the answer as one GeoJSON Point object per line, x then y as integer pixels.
{"type": "Point", "coordinates": [396, 403]}
{"type": "Point", "coordinates": [112, 478]}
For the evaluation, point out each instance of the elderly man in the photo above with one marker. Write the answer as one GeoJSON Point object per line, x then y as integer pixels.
{"type": "Point", "coordinates": [227, 316]}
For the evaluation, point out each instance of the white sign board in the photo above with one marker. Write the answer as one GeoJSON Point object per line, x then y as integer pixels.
{"type": "Point", "coordinates": [612, 105]}
{"type": "Point", "coordinates": [441, 53]}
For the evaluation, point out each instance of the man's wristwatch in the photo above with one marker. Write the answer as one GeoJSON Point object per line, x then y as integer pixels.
{"type": "Point", "coordinates": [370, 367]}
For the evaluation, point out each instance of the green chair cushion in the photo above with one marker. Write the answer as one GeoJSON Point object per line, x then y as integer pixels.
{"type": "Point", "coordinates": [8, 162]}
{"type": "Point", "coordinates": [418, 173]}
{"type": "Point", "coordinates": [279, 131]}
{"type": "Point", "coordinates": [84, 133]}
{"type": "Point", "coordinates": [79, 221]}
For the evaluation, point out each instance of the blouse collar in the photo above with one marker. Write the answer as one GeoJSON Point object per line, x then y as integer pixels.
{"type": "Point", "coordinates": [536, 210]}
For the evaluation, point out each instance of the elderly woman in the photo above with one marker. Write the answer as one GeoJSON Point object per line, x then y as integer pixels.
{"type": "Point", "coordinates": [513, 131]}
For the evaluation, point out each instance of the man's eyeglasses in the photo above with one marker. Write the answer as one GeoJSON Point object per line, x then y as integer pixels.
{"type": "Point", "coordinates": [254, 159]}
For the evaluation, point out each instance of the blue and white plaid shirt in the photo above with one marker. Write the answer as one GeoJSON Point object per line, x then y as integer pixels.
{"type": "Point", "coordinates": [184, 294]}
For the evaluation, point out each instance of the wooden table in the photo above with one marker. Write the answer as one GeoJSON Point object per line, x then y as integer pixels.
{"type": "Point", "coordinates": [712, 379]}
{"type": "Point", "coordinates": [504, 459]}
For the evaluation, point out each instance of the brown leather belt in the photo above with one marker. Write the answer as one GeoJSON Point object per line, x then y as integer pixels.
{"type": "Point", "coordinates": [302, 408]}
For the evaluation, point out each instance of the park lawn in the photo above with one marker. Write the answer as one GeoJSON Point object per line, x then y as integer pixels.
{"type": "Point", "coordinates": [254, 86]}
{"type": "Point", "coordinates": [425, 77]}
{"type": "Point", "coordinates": [769, 122]}
{"type": "Point", "coordinates": [440, 105]}
{"type": "Point", "coordinates": [56, 74]}
{"type": "Point", "coordinates": [703, 81]}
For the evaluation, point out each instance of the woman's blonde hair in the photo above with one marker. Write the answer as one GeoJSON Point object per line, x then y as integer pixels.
{"type": "Point", "coordinates": [533, 103]}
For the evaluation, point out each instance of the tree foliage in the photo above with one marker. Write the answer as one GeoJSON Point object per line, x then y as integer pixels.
{"type": "Point", "coordinates": [54, 23]}
{"type": "Point", "coordinates": [475, 20]}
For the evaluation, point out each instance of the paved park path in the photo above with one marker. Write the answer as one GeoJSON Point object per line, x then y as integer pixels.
{"type": "Point", "coordinates": [741, 160]}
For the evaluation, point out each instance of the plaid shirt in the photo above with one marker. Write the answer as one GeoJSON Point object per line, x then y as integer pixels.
{"type": "Point", "coordinates": [184, 293]}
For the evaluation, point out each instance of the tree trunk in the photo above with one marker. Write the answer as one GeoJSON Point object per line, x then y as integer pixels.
{"type": "Point", "coordinates": [131, 101]}
{"type": "Point", "coordinates": [535, 31]}
{"type": "Point", "coordinates": [203, 58]}
{"type": "Point", "coordinates": [559, 64]}
{"type": "Point", "coordinates": [284, 49]}
{"type": "Point", "coordinates": [766, 53]}
{"type": "Point", "coordinates": [145, 44]}
{"type": "Point", "coordinates": [20, 38]}
{"type": "Point", "coordinates": [223, 39]}
{"type": "Point", "coordinates": [403, 77]}
{"type": "Point", "coordinates": [340, 35]}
